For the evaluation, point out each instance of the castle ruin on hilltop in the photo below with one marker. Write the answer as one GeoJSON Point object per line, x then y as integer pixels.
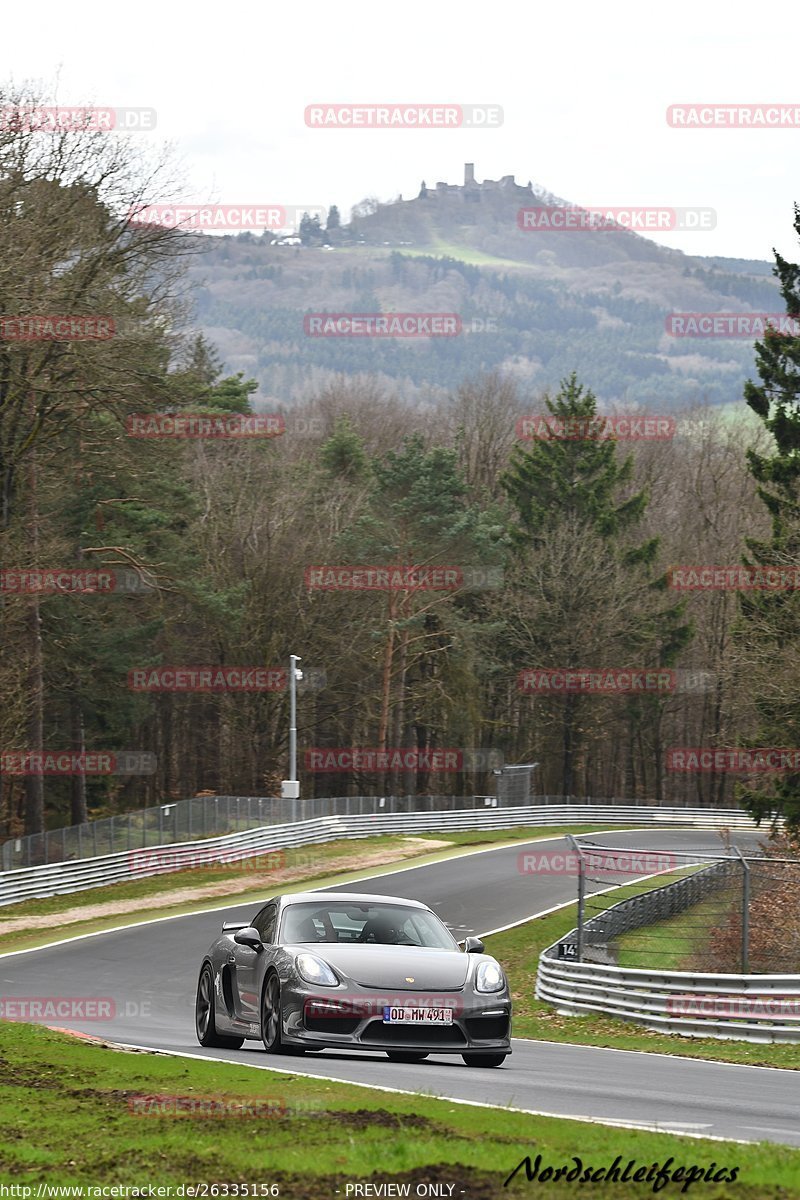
{"type": "Point", "coordinates": [471, 190]}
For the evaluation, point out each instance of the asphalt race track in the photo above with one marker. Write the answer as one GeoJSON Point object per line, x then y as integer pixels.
{"type": "Point", "coordinates": [150, 972]}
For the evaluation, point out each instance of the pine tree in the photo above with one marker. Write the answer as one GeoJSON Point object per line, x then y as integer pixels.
{"type": "Point", "coordinates": [343, 454]}
{"type": "Point", "coordinates": [769, 636]}
{"type": "Point", "coordinates": [571, 480]}
{"type": "Point", "coordinates": [576, 476]}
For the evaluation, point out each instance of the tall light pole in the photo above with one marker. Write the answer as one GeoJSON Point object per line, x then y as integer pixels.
{"type": "Point", "coordinates": [290, 788]}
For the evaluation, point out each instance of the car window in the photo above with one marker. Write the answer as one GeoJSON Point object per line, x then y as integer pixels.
{"type": "Point", "coordinates": [265, 923]}
{"type": "Point", "coordinates": [370, 923]}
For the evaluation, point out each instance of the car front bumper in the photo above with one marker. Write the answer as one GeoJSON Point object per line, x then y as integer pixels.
{"type": "Point", "coordinates": [481, 1023]}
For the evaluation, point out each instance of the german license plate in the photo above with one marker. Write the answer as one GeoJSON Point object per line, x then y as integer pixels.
{"type": "Point", "coordinates": [417, 1016]}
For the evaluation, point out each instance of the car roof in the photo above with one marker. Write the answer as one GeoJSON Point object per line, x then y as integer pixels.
{"type": "Point", "coordinates": [348, 898]}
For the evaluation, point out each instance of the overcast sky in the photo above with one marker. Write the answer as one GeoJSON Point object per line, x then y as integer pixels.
{"type": "Point", "coordinates": [584, 89]}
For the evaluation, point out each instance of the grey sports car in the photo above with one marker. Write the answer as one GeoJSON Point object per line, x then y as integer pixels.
{"type": "Point", "coordinates": [353, 972]}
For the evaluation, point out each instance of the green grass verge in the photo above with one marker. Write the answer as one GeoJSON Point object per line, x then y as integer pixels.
{"type": "Point", "coordinates": [679, 943]}
{"type": "Point", "coordinates": [315, 860]}
{"type": "Point", "coordinates": [465, 254]}
{"type": "Point", "coordinates": [68, 1115]}
{"type": "Point", "coordinates": [518, 950]}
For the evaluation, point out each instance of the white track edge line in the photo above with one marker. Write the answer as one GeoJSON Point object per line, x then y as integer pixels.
{"type": "Point", "coordinates": [198, 912]}
{"type": "Point", "coordinates": [642, 1127]}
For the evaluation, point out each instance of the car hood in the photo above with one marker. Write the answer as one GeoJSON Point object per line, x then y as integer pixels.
{"type": "Point", "coordinates": [396, 967]}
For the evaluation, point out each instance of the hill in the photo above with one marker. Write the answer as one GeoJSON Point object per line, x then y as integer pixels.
{"type": "Point", "coordinates": [534, 304]}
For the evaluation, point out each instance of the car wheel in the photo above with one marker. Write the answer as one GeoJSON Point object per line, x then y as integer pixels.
{"type": "Point", "coordinates": [484, 1060]}
{"type": "Point", "coordinates": [204, 1020]}
{"type": "Point", "coordinates": [405, 1056]}
{"type": "Point", "coordinates": [271, 1019]}
{"type": "Point", "coordinates": [271, 1015]}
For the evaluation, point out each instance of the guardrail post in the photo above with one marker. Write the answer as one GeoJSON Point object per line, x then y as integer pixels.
{"type": "Point", "coordinates": [745, 912]}
{"type": "Point", "coordinates": [581, 897]}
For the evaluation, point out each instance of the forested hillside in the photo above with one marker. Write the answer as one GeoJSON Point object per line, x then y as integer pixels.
{"type": "Point", "coordinates": [561, 548]}
{"type": "Point", "coordinates": [533, 304]}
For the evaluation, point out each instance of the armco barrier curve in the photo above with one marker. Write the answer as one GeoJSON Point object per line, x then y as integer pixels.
{"type": "Point", "coordinates": [757, 1008]}
{"type": "Point", "coordinates": [648, 998]}
{"type": "Point", "coordinates": [55, 879]}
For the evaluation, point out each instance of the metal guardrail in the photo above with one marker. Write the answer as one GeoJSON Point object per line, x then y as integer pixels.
{"type": "Point", "coordinates": [663, 1000]}
{"type": "Point", "coordinates": [201, 817]}
{"type": "Point", "coordinates": [744, 1007]}
{"type": "Point", "coordinates": [198, 818]}
{"type": "Point", "coordinates": [64, 877]}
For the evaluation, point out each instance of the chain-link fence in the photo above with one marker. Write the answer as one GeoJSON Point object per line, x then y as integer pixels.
{"type": "Point", "coordinates": [210, 816]}
{"type": "Point", "coordinates": [680, 910]}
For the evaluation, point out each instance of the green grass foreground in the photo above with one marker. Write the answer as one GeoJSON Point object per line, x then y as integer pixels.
{"type": "Point", "coordinates": [80, 1114]}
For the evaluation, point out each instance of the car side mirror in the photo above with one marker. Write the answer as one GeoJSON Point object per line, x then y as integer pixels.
{"type": "Point", "coordinates": [249, 937]}
{"type": "Point", "coordinates": [474, 945]}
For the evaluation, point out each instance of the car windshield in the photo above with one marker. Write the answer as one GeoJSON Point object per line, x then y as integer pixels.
{"type": "Point", "coordinates": [367, 924]}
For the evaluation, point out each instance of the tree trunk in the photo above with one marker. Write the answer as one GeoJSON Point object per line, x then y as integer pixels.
{"type": "Point", "coordinates": [568, 755]}
{"type": "Point", "coordinates": [397, 776]}
{"type": "Point", "coordinates": [78, 790]}
{"type": "Point", "coordinates": [34, 784]}
{"type": "Point", "coordinates": [386, 687]}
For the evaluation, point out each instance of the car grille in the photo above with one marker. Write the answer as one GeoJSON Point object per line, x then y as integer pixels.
{"type": "Point", "coordinates": [340, 1025]}
{"type": "Point", "coordinates": [487, 1027]}
{"type": "Point", "coordinates": [433, 1035]}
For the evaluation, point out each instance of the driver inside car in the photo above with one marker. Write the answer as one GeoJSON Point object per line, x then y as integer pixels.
{"type": "Point", "coordinates": [306, 931]}
{"type": "Point", "coordinates": [378, 929]}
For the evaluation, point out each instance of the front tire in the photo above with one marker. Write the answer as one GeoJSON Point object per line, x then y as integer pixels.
{"type": "Point", "coordinates": [406, 1056]}
{"type": "Point", "coordinates": [271, 1019]}
{"type": "Point", "coordinates": [204, 1019]}
{"type": "Point", "coordinates": [484, 1060]}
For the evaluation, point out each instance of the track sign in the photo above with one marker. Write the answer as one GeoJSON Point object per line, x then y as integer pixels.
{"type": "Point", "coordinates": [567, 950]}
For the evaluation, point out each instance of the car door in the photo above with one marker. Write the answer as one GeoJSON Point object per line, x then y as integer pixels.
{"type": "Point", "coordinates": [248, 967]}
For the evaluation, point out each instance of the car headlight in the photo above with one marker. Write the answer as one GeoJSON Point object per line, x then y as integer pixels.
{"type": "Point", "coordinates": [314, 970]}
{"type": "Point", "coordinates": [489, 976]}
